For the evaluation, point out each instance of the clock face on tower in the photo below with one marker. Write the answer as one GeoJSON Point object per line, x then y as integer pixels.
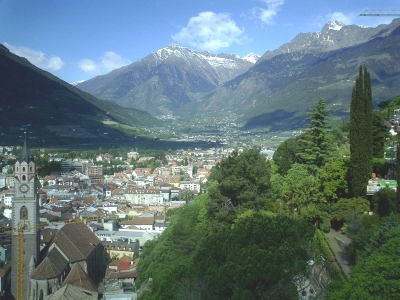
{"type": "Point", "coordinates": [24, 188]}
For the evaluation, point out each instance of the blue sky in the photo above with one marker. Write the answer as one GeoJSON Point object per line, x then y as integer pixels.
{"type": "Point", "coordinates": [78, 40]}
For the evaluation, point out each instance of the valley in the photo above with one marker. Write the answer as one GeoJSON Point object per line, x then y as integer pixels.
{"type": "Point", "coordinates": [219, 129]}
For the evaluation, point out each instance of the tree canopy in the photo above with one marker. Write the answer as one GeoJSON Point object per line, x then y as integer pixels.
{"type": "Point", "coordinates": [244, 178]}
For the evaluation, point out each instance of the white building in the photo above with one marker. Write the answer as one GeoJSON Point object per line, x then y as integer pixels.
{"type": "Point", "coordinates": [144, 196]}
{"type": "Point", "coordinates": [141, 236]}
{"type": "Point", "coordinates": [190, 185]}
{"type": "Point", "coordinates": [7, 197]}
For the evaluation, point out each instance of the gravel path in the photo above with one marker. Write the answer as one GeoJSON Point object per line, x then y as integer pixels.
{"type": "Point", "coordinates": [335, 238]}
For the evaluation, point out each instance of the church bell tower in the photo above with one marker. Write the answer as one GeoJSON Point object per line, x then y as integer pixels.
{"type": "Point", "coordinates": [24, 222]}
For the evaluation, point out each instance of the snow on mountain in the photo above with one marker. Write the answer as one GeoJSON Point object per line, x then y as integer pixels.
{"type": "Point", "coordinates": [251, 57]}
{"type": "Point", "coordinates": [77, 82]}
{"type": "Point", "coordinates": [167, 79]}
{"type": "Point", "coordinates": [335, 25]}
{"type": "Point", "coordinates": [334, 35]}
{"type": "Point", "coordinates": [215, 61]}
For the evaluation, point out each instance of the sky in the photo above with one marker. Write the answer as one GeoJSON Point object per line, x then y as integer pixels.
{"type": "Point", "coordinates": [80, 39]}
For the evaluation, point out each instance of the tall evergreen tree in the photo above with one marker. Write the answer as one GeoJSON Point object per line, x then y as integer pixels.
{"type": "Point", "coordinates": [398, 173]}
{"type": "Point", "coordinates": [316, 150]}
{"type": "Point", "coordinates": [379, 135]}
{"type": "Point", "coordinates": [285, 155]}
{"type": "Point", "coordinates": [360, 134]}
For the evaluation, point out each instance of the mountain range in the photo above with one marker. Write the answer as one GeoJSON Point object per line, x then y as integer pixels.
{"type": "Point", "coordinates": [168, 79]}
{"type": "Point", "coordinates": [274, 91]}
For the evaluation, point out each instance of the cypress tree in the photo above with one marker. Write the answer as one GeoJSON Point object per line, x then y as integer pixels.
{"type": "Point", "coordinates": [398, 173]}
{"type": "Point", "coordinates": [369, 111]}
{"type": "Point", "coordinates": [360, 134]}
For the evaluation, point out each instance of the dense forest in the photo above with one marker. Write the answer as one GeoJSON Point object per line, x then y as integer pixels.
{"type": "Point", "coordinates": [260, 223]}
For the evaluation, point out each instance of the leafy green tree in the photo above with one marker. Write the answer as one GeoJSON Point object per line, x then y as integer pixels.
{"type": "Point", "coordinates": [244, 178]}
{"type": "Point", "coordinates": [384, 202]}
{"type": "Point", "coordinates": [285, 156]}
{"type": "Point", "coordinates": [333, 177]}
{"type": "Point", "coordinates": [360, 134]}
{"type": "Point", "coordinates": [168, 261]}
{"type": "Point", "coordinates": [11, 161]}
{"type": "Point", "coordinates": [375, 242]}
{"type": "Point", "coordinates": [259, 257]}
{"type": "Point", "coordinates": [354, 225]}
{"type": "Point", "coordinates": [342, 208]}
{"type": "Point", "coordinates": [360, 227]}
{"type": "Point", "coordinates": [52, 166]}
{"type": "Point", "coordinates": [300, 188]}
{"type": "Point", "coordinates": [380, 166]}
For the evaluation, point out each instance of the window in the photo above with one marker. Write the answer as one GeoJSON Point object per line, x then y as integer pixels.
{"type": "Point", "coordinates": [23, 178]}
{"type": "Point", "coordinates": [24, 213]}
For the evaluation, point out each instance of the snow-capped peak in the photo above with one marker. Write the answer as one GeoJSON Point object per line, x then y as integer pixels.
{"type": "Point", "coordinates": [335, 25]}
{"type": "Point", "coordinates": [251, 57]}
{"type": "Point", "coordinates": [215, 61]}
{"type": "Point", "coordinates": [77, 82]}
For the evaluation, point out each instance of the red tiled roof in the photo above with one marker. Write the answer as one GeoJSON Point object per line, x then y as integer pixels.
{"type": "Point", "coordinates": [123, 266]}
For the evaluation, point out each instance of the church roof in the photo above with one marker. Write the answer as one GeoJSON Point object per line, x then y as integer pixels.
{"type": "Point", "coordinates": [25, 154]}
{"type": "Point", "coordinates": [76, 241]}
{"type": "Point", "coordinates": [52, 266]}
{"type": "Point", "coordinates": [79, 278]}
{"type": "Point", "coordinates": [69, 292]}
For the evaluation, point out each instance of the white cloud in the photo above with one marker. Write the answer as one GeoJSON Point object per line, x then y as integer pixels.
{"type": "Point", "coordinates": [339, 16]}
{"type": "Point", "coordinates": [266, 15]}
{"type": "Point", "coordinates": [210, 31]}
{"type": "Point", "coordinates": [108, 62]}
{"type": "Point", "coordinates": [88, 65]}
{"type": "Point", "coordinates": [346, 19]}
{"type": "Point", "coordinates": [38, 58]}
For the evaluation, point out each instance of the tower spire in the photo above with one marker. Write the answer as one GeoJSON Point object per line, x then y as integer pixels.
{"type": "Point", "coordinates": [25, 154]}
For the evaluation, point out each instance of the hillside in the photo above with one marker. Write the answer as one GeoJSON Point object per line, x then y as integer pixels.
{"type": "Point", "coordinates": [280, 88]}
{"type": "Point", "coordinates": [56, 113]}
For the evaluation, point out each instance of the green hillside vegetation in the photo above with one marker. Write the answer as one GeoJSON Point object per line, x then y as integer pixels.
{"type": "Point", "coordinates": [321, 74]}
{"type": "Point", "coordinates": [33, 99]}
{"type": "Point", "coordinates": [251, 234]}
